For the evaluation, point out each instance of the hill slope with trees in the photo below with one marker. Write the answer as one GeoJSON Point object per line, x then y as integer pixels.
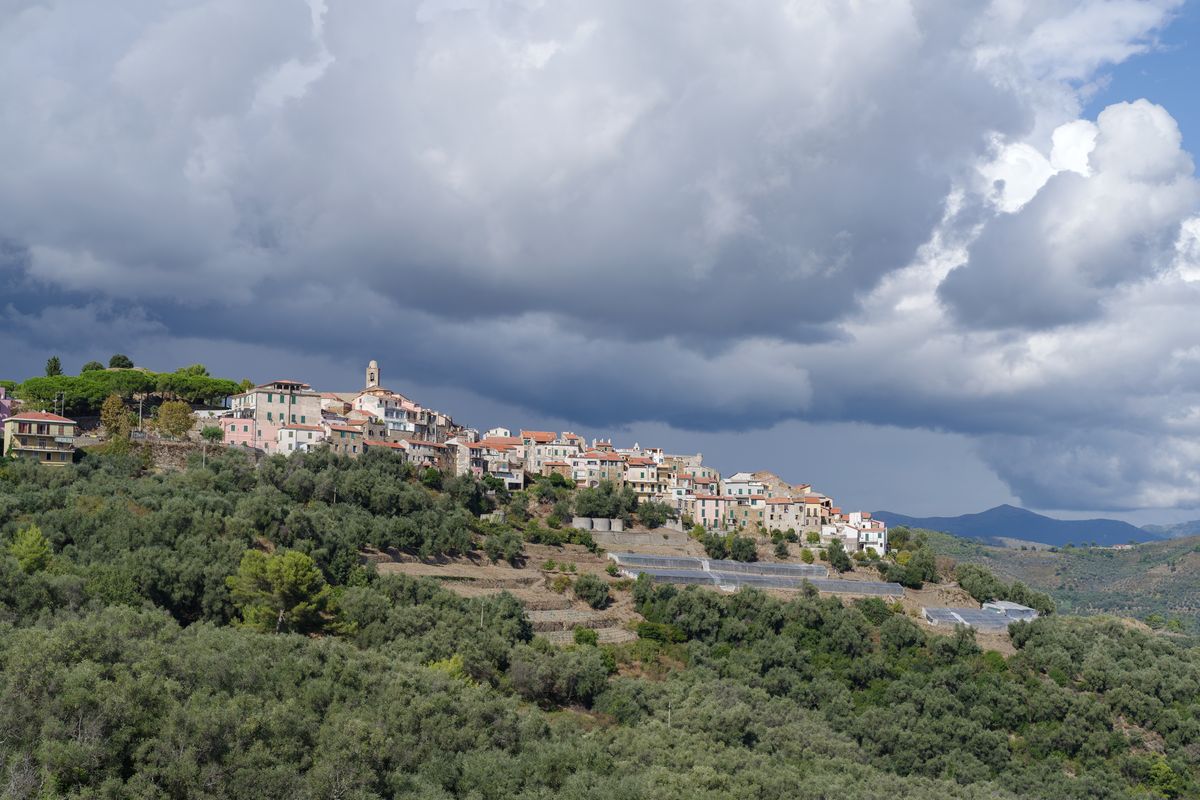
{"type": "Point", "coordinates": [212, 633]}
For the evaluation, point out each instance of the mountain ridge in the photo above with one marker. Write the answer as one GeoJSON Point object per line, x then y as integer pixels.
{"type": "Point", "coordinates": [1008, 521]}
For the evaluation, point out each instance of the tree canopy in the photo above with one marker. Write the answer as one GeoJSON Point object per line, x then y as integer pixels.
{"type": "Point", "coordinates": [212, 633]}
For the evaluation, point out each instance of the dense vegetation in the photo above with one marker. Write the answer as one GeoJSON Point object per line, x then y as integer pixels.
{"type": "Point", "coordinates": [83, 394]}
{"type": "Point", "coordinates": [138, 658]}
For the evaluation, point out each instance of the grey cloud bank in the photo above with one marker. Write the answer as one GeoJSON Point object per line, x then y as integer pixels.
{"type": "Point", "coordinates": [752, 217]}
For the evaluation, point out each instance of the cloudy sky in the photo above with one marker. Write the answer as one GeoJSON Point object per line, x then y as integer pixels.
{"type": "Point", "coordinates": [929, 256]}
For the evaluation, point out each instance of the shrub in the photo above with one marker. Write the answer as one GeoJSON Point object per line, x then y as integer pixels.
{"type": "Point", "coordinates": [504, 544]}
{"type": "Point", "coordinates": [612, 569]}
{"type": "Point", "coordinates": [806, 556]}
{"type": "Point", "coordinates": [592, 590]}
{"type": "Point", "coordinates": [742, 548]}
{"type": "Point", "coordinates": [560, 583]}
{"type": "Point", "coordinates": [432, 478]}
{"type": "Point", "coordinates": [838, 559]}
{"type": "Point", "coordinates": [781, 550]}
{"type": "Point", "coordinates": [586, 636]}
{"type": "Point", "coordinates": [660, 632]}
{"type": "Point", "coordinates": [812, 537]}
{"type": "Point", "coordinates": [654, 514]}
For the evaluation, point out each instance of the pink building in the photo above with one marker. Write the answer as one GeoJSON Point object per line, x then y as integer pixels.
{"type": "Point", "coordinates": [6, 405]}
{"type": "Point", "coordinates": [259, 413]}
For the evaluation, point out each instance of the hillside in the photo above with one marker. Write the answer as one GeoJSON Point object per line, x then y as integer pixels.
{"type": "Point", "coordinates": [1155, 578]}
{"type": "Point", "coordinates": [1018, 523]}
{"type": "Point", "coordinates": [233, 630]}
{"type": "Point", "coordinates": [1176, 530]}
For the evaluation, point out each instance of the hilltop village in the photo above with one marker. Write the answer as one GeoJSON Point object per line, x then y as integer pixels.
{"type": "Point", "coordinates": [285, 416]}
{"type": "Point", "coordinates": [288, 416]}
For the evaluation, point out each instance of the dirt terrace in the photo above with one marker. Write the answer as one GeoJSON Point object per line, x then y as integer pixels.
{"type": "Point", "coordinates": [554, 615]}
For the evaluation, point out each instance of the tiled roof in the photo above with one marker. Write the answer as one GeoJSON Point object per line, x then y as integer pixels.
{"type": "Point", "coordinates": [301, 428]}
{"type": "Point", "coordinates": [40, 416]}
{"type": "Point", "coordinates": [423, 443]}
{"type": "Point", "coordinates": [541, 437]}
{"type": "Point", "coordinates": [381, 443]}
{"type": "Point", "coordinates": [603, 456]}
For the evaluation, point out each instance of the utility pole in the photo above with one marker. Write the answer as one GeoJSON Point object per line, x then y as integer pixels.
{"type": "Point", "coordinates": [140, 414]}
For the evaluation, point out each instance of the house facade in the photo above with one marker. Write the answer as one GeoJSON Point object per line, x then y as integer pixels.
{"type": "Point", "coordinates": [257, 415]}
{"type": "Point", "coordinates": [40, 436]}
{"type": "Point", "coordinates": [298, 438]}
{"type": "Point", "coordinates": [589, 469]}
{"type": "Point", "coordinates": [345, 440]}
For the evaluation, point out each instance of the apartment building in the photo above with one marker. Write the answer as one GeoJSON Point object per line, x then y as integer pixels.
{"type": "Point", "coordinates": [543, 446]}
{"type": "Point", "coordinates": [40, 436]}
{"type": "Point", "coordinates": [589, 469]}
{"type": "Point", "coordinates": [257, 415]}
{"type": "Point", "coordinates": [642, 475]}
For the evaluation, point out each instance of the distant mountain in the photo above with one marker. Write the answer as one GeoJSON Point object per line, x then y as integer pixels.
{"type": "Point", "coordinates": [1018, 523]}
{"type": "Point", "coordinates": [1175, 531]}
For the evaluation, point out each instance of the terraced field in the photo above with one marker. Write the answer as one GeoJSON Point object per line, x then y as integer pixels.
{"type": "Point", "coordinates": [554, 615]}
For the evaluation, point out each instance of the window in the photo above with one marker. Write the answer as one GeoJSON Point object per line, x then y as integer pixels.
{"type": "Point", "coordinates": [245, 429]}
{"type": "Point", "coordinates": [293, 417]}
{"type": "Point", "coordinates": [268, 416]}
{"type": "Point", "coordinates": [270, 397]}
{"type": "Point", "coordinates": [302, 420]}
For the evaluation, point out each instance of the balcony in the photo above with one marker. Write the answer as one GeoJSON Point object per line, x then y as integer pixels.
{"type": "Point", "coordinates": [58, 444]}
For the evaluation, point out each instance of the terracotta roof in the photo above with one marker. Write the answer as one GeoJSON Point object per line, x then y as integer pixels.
{"type": "Point", "coordinates": [345, 428]}
{"type": "Point", "coordinates": [382, 443]}
{"type": "Point", "coordinates": [811, 499]}
{"type": "Point", "coordinates": [835, 510]}
{"type": "Point", "coordinates": [493, 441]}
{"type": "Point", "coordinates": [40, 416]}
{"type": "Point", "coordinates": [778, 501]}
{"type": "Point", "coordinates": [290, 427]}
{"type": "Point", "coordinates": [556, 464]}
{"type": "Point", "coordinates": [642, 462]}
{"type": "Point", "coordinates": [541, 437]}
{"type": "Point", "coordinates": [423, 443]}
{"type": "Point", "coordinates": [603, 456]}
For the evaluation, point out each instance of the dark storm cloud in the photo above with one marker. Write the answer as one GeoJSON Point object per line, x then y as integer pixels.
{"type": "Point", "coordinates": [611, 213]}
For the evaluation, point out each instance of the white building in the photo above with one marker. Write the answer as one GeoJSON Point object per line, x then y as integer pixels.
{"type": "Point", "coordinates": [298, 438]}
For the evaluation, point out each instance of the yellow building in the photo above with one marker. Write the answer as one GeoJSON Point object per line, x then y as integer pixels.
{"type": "Point", "coordinates": [43, 437]}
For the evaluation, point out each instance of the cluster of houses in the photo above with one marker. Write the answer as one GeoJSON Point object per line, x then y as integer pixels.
{"type": "Point", "coordinates": [286, 417]}
{"type": "Point", "coordinates": [289, 416]}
